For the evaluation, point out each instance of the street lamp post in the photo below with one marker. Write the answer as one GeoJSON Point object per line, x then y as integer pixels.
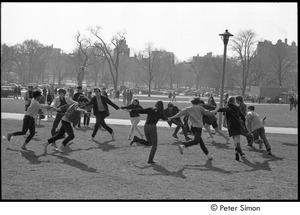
{"type": "Point", "coordinates": [225, 36]}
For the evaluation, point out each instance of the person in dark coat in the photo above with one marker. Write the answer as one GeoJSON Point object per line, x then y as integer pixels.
{"type": "Point", "coordinates": [75, 98]}
{"type": "Point", "coordinates": [234, 124]}
{"type": "Point", "coordinates": [171, 111]}
{"type": "Point", "coordinates": [101, 111]}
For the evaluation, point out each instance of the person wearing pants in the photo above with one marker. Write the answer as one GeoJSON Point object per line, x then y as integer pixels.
{"type": "Point", "coordinates": [101, 111]}
{"type": "Point", "coordinates": [256, 126]}
{"type": "Point", "coordinates": [29, 118]}
{"type": "Point", "coordinates": [134, 117]}
{"type": "Point", "coordinates": [195, 113]}
{"type": "Point", "coordinates": [171, 111]}
{"type": "Point", "coordinates": [72, 113]}
{"type": "Point", "coordinates": [150, 130]}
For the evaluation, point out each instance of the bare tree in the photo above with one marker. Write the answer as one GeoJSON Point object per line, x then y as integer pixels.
{"type": "Point", "coordinates": [149, 64]}
{"type": "Point", "coordinates": [244, 45]}
{"type": "Point", "coordinates": [112, 56]}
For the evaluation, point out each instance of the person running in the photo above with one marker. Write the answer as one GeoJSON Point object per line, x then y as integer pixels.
{"type": "Point", "coordinates": [256, 126]}
{"type": "Point", "coordinates": [61, 100]}
{"type": "Point", "coordinates": [171, 111]}
{"type": "Point", "coordinates": [101, 111]}
{"type": "Point", "coordinates": [29, 119]}
{"type": "Point", "coordinates": [243, 108]}
{"type": "Point", "coordinates": [153, 115]}
{"type": "Point", "coordinates": [75, 98]}
{"type": "Point", "coordinates": [87, 116]}
{"type": "Point", "coordinates": [72, 114]}
{"type": "Point", "coordinates": [195, 113]}
{"type": "Point", "coordinates": [234, 124]}
{"type": "Point", "coordinates": [211, 120]}
{"type": "Point", "coordinates": [28, 96]}
{"type": "Point", "coordinates": [134, 117]}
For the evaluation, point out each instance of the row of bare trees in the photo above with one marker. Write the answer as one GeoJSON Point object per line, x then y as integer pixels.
{"type": "Point", "coordinates": [96, 61]}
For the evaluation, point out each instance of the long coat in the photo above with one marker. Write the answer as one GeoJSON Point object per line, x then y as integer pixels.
{"type": "Point", "coordinates": [234, 117]}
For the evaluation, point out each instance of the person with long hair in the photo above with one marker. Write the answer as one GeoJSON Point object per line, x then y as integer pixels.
{"type": "Point", "coordinates": [153, 115]}
{"type": "Point", "coordinates": [134, 117]}
{"type": "Point", "coordinates": [234, 124]}
{"type": "Point", "coordinates": [195, 113]}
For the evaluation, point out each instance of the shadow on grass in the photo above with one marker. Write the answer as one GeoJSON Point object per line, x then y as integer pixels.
{"type": "Point", "coordinates": [257, 165]}
{"type": "Point", "coordinates": [30, 156]}
{"type": "Point", "coordinates": [289, 144]}
{"type": "Point", "coordinates": [163, 171]}
{"type": "Point", "coordinates": [208, 166]}
{"type": "Point", "coordinates": [74, 163]}
{"type": "Point", "coordinates": [221, 145]}
{"type": "Point", "coordinates": [265, 155]}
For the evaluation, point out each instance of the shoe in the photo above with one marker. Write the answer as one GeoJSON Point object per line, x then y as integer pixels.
{"type": "Point", "coordinates": [151, 162]}
{"type": "Point", "coordinates": [91, 139]}
{"type": "Point", "coordinates": [180, 147]}
{"type": "Point", "coordinates": [237, 157]}
{"type": "Point", "coordinates": [113, 135]}
{"type": "Point", "coordinates": [60, 148]}
{"type": "Point", "coordinates": [24, 148]}
{"type": "Point", "coordinates": [175, 136]}
{"type": "Point", "coordinates": [133, 140]}
{"type": "Point", "coordinates": [260, 144]}
{"type": "Point", "coordinates": [269, 152]}
{"type": "Point", "coordinates": [45, 146]}
{"type": "Point", "coordinates": [8, 136]}
{"type": "Point", "coordinates": [209, 157]}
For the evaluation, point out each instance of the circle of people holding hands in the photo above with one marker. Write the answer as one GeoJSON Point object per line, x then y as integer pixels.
{"type": "Point", "coordinates": [239, 119]}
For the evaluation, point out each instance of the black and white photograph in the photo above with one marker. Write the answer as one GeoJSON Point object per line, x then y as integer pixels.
{"type": "Point", "coordinates": [151, 101]}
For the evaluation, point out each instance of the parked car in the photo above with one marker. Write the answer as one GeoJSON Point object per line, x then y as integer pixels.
{"type": "Point", "coordinates": [7, 91]}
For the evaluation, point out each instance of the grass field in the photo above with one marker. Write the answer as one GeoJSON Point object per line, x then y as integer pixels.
{"type": "Point", "coordinates": [113, 170]}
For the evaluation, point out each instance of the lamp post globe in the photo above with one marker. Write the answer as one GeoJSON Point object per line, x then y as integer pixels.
{"type": "Point", "coordinates": [225, 37]}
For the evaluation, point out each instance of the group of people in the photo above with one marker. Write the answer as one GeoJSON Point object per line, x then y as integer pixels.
{"type": "Point", "coordinates": [239, 121]}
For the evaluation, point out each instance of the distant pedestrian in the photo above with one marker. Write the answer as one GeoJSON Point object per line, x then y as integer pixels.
{"type": "Point", "coordinates": [256, 126]}
{"type": "Point", "coordinates": [15, 92]}
{"type": "Point", "coordinates": [19, 92]}
{"type": "Point", "coordinates": [292, 99]}
{"type": "Point", "coordinates": [49, 100]}
{"type": "Point", "coordinates": [87, 115]}
{"type": "Point", "coordinates": [28, 96]}
{"type": "Point", "coordinates": [295, 103]}
{"type": "Point", "coordinates": [124, 94]}
{"type": "Point", "coordinates": [75, 98]}
{"type": "Point", "coordinates": [173, 96]}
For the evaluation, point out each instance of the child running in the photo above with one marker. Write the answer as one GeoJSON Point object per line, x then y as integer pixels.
{"type": "Point", "coordinates": [256, 126]}
{"type": "Point", "coordinates": [72, 114]}
{"type": "Point", "coordinates": [29, 119]}
{"type": "Point", "coordinates": [134, 117]}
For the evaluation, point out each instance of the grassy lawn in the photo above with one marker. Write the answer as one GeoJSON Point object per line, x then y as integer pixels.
{"type": "Point", "coordinates": [277, 115]}
{"type": "Point", "coordinates": [113, 170]}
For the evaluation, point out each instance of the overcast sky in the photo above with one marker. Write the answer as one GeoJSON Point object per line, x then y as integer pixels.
{"type": "Point", "coordinates": [185, 29]}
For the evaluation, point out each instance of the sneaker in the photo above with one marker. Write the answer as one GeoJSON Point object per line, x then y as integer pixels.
{"type": "Point", "coordinates": [209, 157]}
{"type": "Point", "coordinates": [91, 139]}
{"type": "Point", "coordinates": [151, 162]}
{"type": "Point", "coordinates": [24, 148]}
{"type": "Point", "coordinates": [8, 136]}
{"type": "Point", "coordinates": [175, 136]}
{"type": "Point", "coordinates": [180, 147]}
{"type": "Point", "coordinates": [60, 148]}
{"type": "Point", "coordinates": [260, 144]}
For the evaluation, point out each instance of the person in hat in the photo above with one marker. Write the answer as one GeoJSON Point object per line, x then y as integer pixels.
{"type": "Point", "coordinates": [172, 110]}
{"type": "Point", "coordinates": [72, 113]}
{"type": "Point", "coordinates": [75, 98]}
{"type": "Point", "coordinates": [101, 111]}
{"type": "Point", "coordinates": [29, 118]}
{"type": "Point", "coordinates": [59, 101]}
{"type": "Point", "coordinates": [28, 96]}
